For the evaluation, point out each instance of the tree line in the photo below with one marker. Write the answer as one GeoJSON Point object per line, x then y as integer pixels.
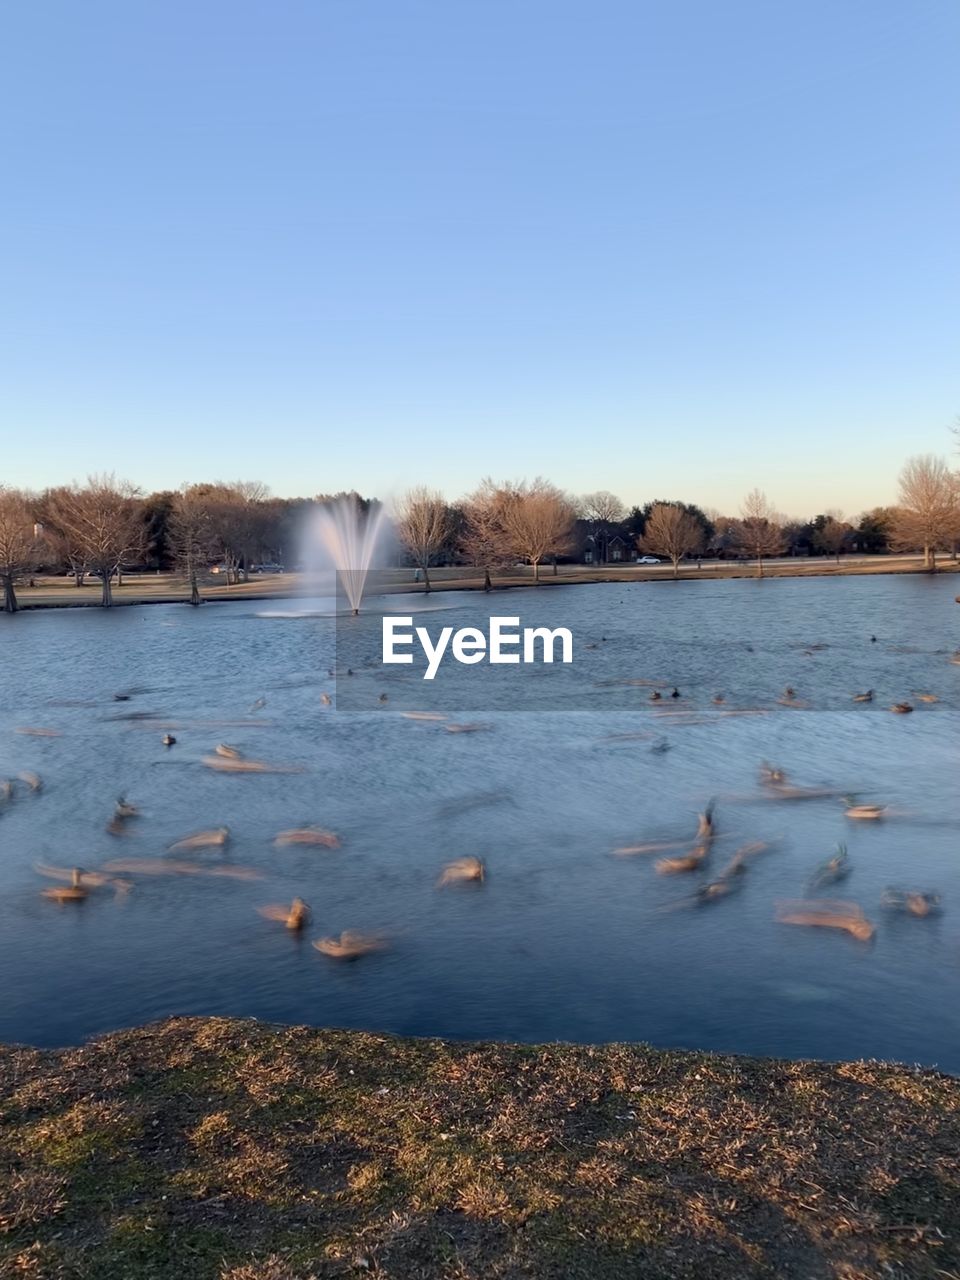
{"type": "Point", "coordinates": [106, 527]}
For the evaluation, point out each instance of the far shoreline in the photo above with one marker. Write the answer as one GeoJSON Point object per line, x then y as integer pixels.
{"type": "Point", "coordinates": [289, 586]}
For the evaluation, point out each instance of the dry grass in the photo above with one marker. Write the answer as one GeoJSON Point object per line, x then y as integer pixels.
{"type": "Point", "coordinates": [213, 1149]}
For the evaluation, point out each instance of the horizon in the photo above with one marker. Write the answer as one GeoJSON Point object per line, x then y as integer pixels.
{"type": "Point", "coordinates": [704, 252]}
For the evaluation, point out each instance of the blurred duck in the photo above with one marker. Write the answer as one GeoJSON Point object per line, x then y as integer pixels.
{"type": "Point", "coordinates": [217, 837]}
{"type": "Point", "coordinates": [228, 752]}
{"type": "Point", "coordinates": [308, 835]}
{"type": "Point", "coordinates": [718, 699]}
{"type": "Point", "coordinates": [78, 878]}
{"type": "Point", "coordinates": [73, 892]}
{"type": "Point", "coordinates": [863, 697]}
{"type": "Point", "coordinates": [676, 693]}
{"type": "Point", "coordinates": [706, 828]}
{"type": "Point", "coordinates": [827, 913]}
{"type": "Point", "coordinates": [168, 740]}
{"type": "Point", "coordinates": [865, 812]}
{"type": "Point", "coordinates": [901, 708]}
{"type": "Point", "coordinates": [690, 862]}
{"type": "Point", "coordinates": [463, 869]}
{"type": "Point", "coordinates": [834, 869]}
{"type": "Point", "coordinates": [295, 917]}
{"type": "Point", "coordinates": [325, 700]}
{"type": "Point", "coordinates": [656, 695]}
{"type": "Point", "coordinates": [350, 945]}
{"type": "Point", "coordinates": [911, 901]}
{"type": "Point", "coordinates": [927, 697]}
{"type": "Point", "coordinates": [124, 810]}
{"type": "Point", "coordinates": [31, 780]}
{"type": "Point", "coordinates": [771, 776]}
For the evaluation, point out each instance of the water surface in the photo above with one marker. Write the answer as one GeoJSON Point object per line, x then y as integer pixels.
{"type": "Point", "coordinates": [564, 940]}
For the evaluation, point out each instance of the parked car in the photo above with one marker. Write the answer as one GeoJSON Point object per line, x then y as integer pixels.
{"type": "Point", "coordinates": [269, 567]}
{"type": "Point", "coordinates": [648, 560]}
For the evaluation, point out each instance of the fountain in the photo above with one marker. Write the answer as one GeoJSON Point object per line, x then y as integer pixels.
{"type": "Point", "coordinates": [346, 536]}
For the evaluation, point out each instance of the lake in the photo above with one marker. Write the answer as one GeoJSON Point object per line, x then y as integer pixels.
{"type": "Point", "coordinates": [564, 940]}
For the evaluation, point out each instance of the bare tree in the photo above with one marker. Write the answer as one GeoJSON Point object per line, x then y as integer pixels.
{"type": "Point", "coordinates": [64, 542]}
{"type": "Point", "coordinates": [102, 520]}
{"type": "Point", "coordinates": [673, 532]}
{"type": "Point", "coordinates": [832, 534]}
{"type": "Point", "coordinates": [602, 510]}
{"type": "Point", "coordinates": [192, 539]}
{"type": "Point", "coordinates": [20, 544]}
{"type": "Point", "coordinates": [928, 517]}
{"type": "Point", "coordinates": [761, 533]}
{"type": "Point", "coordinates": [423, 525]}
{"type": "Point", "coordinates": [483, 540]}
{"type": "Point", "coordinates": [239, 516]}
{"type": "Point", "coordinates": [538, 520]}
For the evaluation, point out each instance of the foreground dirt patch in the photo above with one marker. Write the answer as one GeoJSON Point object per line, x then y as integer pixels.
{"type": "Point", "coordinates": [231, 1150]}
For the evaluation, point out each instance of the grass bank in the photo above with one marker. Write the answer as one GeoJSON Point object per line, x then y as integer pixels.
{"type": "Point", "coordinates": [56, 593]}
{"type": "Point", "coordinates": [227, 1149]}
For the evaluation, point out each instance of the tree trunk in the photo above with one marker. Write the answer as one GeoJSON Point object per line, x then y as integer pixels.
{"type": "Point", "coordinates": [9, 594]}
{"type": "Point", "coordinates": [194, 589]}
{"type": "Point", "coordinates": [536, 572]}
{"type": "Point", "coordinates": [556, 570]}
{"type": "Point", "coordinates": [759, 566]}
{"type": "Point", "coordinates": [426, 579]}
{"type": "Point", "coordinates": [106, 598]}
{"type": "Point", "coordinates": [676, 566]}
{"type": "Point", "coordinates": [487, 584]}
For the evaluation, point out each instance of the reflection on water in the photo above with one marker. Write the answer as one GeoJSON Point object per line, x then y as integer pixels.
{"type": "Point", "coordinates": [559, 939]}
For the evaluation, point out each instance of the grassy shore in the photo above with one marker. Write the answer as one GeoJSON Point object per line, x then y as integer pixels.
{"type": "Point", "coordinates": [60, 593]}
{"type": "Point", "coordinates": [231, 1150]}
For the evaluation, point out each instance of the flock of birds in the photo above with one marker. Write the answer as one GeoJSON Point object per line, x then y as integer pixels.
{"type": "Point", "coordinates": [75, 884]}
{"type": "Point", "coordinates": [811, 910]}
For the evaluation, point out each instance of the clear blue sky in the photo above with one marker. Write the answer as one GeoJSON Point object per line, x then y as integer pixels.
{"type": "Point", "coordinates": [668, 249]}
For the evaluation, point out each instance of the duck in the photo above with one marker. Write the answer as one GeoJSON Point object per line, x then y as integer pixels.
{"type": "Point", "coordinates": [689, 862]}
{"type": "Point", "coordinates": [863, 697]}
{"type": "Point", "coordinates": [716, 889]}
{"type": "Point", "coordinates": [912, 901]}
{"type": "Point", "coordinates": [258, 705]}
{"type": "Point", "coordinates": [835, 868]}
{"type": "Point", "coordinates": [660, 747]}
{"type": "Point", "coordinates": [827, 913]}
{"type": "Point", "coordinates": [124, 810]}
{"type": "Point", "coordinates": [656, 695]}
{"type": "Point", "coordinates": [228, 752]}
{"type": "Point", "coordinates": [901, 708]}
{"type": "Point", "coordinates": [216, 837]}
{"type": "Point", "coordinates": [351, 945]}
{"type": "Point", "coordinates": [307, 835]}
{"type": "Point", "coordinates": [469, 868]}
{"type": "Point", "coordinates": [866, 812]}
{"type": "Point", "coordinates": [705, 824]}
{"type": "Point", "coordinates": [771, 776]}
{"type": "Point", "coordinates": [73, 892]}
{"type": "Point", "coordinates": [382, 698]}
{"type": "Point", "coordinates": [718, 699]}
{"type": "Point", "coordinates": [168, 740]}
{"type": "Point", "coordinates": [789, 692]}
{"type": "Point", "coordinates": [927, 697]}
{"type": "Point", "coordinates": [31, 780]}
{"type": "Point", "coordinates": [295, 917]}
{"type": "Point", "coordinates": [676, 693]}
{"type": "Point", "coordinates": [326, 700]}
